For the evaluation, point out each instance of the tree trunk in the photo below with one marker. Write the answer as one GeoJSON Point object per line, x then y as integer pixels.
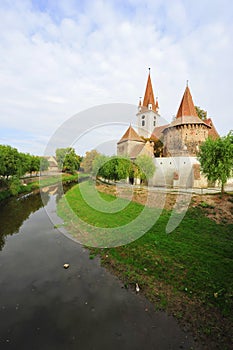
{"type": "Point", "coordinates": [222, 188]}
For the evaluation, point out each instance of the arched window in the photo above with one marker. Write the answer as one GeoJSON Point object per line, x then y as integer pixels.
{"type": "Point", "coordinates": [143, 117]}
{"type": "Point", "coordinates": [143, 122]}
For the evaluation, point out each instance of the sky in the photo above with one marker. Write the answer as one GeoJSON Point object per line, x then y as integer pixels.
{"type": "Point", "coordinates": [59, 58]}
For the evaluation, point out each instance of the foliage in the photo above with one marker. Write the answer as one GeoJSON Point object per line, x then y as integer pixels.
{"type": "Point", "coordinates": [87, 161]}
{"type": "Point", "coordinates": [146, 167]}
{"type": "Point", "coordinates": [9, 161]}
{"type": "Point", "coordinates": [34, 164]}
{"type": "Point", "coordinates": [201, 113]}
{"type": "Point", "coordinates": [44, 164]}
{"type": "Point", "coordinates": [14, 185]}
{"type": "Point", "coordinates": [60, 156]}
{"type": "Point", "coordinates": [158, 148]}
{"type": "Point", "coordinates": [68, 160]}
{"type": "Point", "coordinates": [216, 158]}
{"type": "Point", "coordinates": [112, 168]}
{"type": "Point", "coordinates": [98, 164]}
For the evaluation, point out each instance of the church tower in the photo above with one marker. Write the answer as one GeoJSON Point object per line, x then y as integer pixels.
{"type": "Point", "coordinates": [187, 132]}
{"type": "Point", "coordinates": [148, 111]}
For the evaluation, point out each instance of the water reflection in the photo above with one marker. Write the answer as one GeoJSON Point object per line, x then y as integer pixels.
{"type": "Point", "coordinates": [14, 211]}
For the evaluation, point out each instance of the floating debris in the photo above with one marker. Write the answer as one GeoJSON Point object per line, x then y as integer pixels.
{"type": "Point", "coordinates": [66, 266]}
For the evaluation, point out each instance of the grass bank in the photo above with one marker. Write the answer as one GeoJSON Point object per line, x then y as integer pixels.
{"type": "Point", "coordinates": [187, 273]}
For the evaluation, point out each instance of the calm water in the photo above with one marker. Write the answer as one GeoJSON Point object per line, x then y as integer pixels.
{"type": "Point", "coordinates": [44, 306]}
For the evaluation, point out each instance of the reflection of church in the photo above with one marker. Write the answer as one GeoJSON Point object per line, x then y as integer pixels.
{"type": "Point", "coordinates": [179, 141]}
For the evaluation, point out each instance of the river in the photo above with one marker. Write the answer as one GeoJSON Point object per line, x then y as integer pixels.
{"type": "Point", "coordinates": [84, 307]}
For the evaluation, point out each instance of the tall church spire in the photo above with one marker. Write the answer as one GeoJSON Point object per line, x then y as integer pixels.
{"type": "Point", "coordinates": [149, 100]}
{"type": "Point", "coordinates": [187, 107]}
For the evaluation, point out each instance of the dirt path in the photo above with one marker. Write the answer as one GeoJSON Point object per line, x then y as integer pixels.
{"type": "Point", "coordinates": [218, 208]}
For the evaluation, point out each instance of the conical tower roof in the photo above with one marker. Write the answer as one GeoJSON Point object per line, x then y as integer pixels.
{"type": "Point", "coordinates": [131, 135]}
{"type": "Point", "coordinates": [149, 95]}
{"type": "Point", "coordinates": [187, 108]}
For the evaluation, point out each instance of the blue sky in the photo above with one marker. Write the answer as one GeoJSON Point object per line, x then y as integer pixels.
{"type": "Point", "coordinates": [58, 58]}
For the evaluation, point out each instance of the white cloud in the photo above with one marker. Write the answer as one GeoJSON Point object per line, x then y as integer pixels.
{"type": "Point", "coordinates": [58, 60]}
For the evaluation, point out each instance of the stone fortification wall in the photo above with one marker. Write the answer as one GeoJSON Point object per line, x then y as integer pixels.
{"type": "Point", "coordinates": [184, 139]}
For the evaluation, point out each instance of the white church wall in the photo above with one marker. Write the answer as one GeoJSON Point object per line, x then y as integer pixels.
{"type": "Point", "coordinates": [173, 172]}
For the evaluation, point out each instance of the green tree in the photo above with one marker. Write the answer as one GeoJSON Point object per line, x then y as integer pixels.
{"type": "Point", "coordinates": [24, 164]}
{"type": "Point", "coordinates": [9, 161]}
{"type": "Point", "coordinates": [71, 162]}
{"type": "Point", "coordinates": [201, 113]}
{"type": "Point", "coordinates": [67, 159]}
{"type": "Point", "coordinates": [87, 161]}
{"type": "Point", "coordinates": [60, 156]}
{"type": "Point", "coordinates": [34, 164]}
{"type": "Point", "coordinates": [98, 169]}
{"type": "Point", "coordinates": [44, 164]}
{"type": "Point", "coordinates": [124, 168]}
{"type": "Point", "coordinates": [146, 167]}
{"type": "Point", "coordinates": [112, 168]}
{"type": "Point", "coordinates": [216, 159]}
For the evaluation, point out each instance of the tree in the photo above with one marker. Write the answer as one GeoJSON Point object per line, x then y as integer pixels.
{"type": "Point", "coordinates": [216, 159]}
{"type": "Point", "coordinates": [146, 167]}
{"type": "Point", "coordinates": [71, 162]}
{"type": "Point", "coordinates": [34, 164]}
{"type": "Point", "coordinates": [44, 164]}
{"type": "Point", "coordinates": [9, 161]}
{"type": "Point", "coordinates": [60, 156]}
{"type": "Point", "coordinates": [98, 169]}
{"type": "Point", "coordinates": [158, 148]}
{"type": "Point", "coordinates": [112, 168]}
{"type": "Point", "coordinates": [201, 113]}
{"type": "Point", "coordinates": [124, 168]}
{"type": "Point", "coordinates": [87, 162]}
{"type": "Point", "coordinates": [24, 163]}
{"type": "Point", "coordinates": [67, 159]}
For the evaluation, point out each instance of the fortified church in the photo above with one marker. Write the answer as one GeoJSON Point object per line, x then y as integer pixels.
{"type": "Point", "coordinates": [176, 161]}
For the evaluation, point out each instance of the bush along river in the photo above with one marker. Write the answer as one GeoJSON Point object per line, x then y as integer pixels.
{"type": "Point", "coordinates": [44, 306]}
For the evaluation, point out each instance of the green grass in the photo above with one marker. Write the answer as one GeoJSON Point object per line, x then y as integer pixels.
{"type": "Point", "coordinates": [193, 264]}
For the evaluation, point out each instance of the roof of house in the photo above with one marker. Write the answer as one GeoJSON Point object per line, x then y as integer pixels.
{"type": "Point", "coordinates": [186, 120]}
{"type": "Point", "coordinates": [136, 150]}
{"type": "Point", "coordinates": [187, 113]}
{"type": "Point", "coordinates": [149, 95]}
{"type": "Point", "coordinates": [212, 132]}
{"type": "Point", "coordinates": [187, 107]}
{"type": "Point", "coordinates": [157, 133]}
{"type": "Point", "coordinates": [131, 135]}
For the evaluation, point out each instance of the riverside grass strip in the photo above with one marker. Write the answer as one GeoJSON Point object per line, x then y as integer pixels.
{"type": "Point", "coordinates": [187, 272]}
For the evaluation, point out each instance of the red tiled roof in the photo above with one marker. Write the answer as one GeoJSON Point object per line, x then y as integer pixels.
{"type": "Point", "coordinates": [187, 107]}
{"type": "Point", "coordinates": [212, 132]}
{"type": "Point", "coordinates": [131, 135]}
{"type": "Point", "coordinates": [149, 95]}
{"type": "Point", "coordinates": [157, 133]}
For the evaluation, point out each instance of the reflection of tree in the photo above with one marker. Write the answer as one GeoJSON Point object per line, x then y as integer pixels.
{"type": "Point", "coordinates": [14, 212]}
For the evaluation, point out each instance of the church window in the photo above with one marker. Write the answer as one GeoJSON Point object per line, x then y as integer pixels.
{"type": "Point", "coordinates": [154, 122]}
{"type": "Point", "coordinates": [143, 122]}
{"type": "Point", "coordinates": [143, 117]}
